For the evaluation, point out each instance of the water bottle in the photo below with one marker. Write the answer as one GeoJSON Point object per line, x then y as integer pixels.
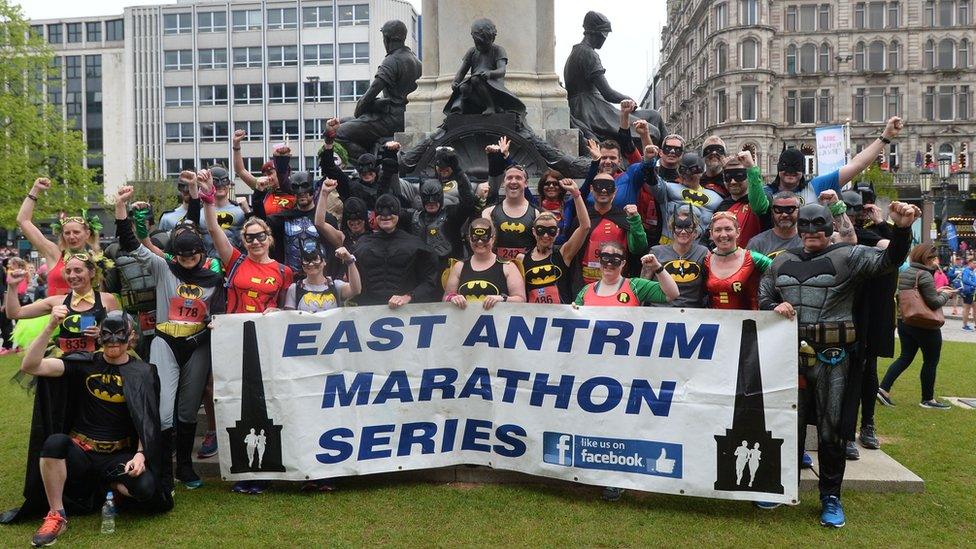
{"type": "Point", "coordinates": [108, 514]}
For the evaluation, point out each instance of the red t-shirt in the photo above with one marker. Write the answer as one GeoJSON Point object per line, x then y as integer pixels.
{"type": "Point", "coordinates": [256, 286]}
{"type": "Point", "coordinates": [276, 203]}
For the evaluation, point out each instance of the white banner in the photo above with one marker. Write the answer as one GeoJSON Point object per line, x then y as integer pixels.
{"type": "Point", "coordinates": [831, 149]}
{"type": "Point", "coordinates": [679, 401]}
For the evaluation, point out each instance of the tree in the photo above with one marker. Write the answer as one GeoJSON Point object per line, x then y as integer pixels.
{"type": "Point", "coordinates": [150, 186]}
{"type": "Point", "coordinates": [35, 139]}
{"type": "Point", "coordinates": [882, 181]}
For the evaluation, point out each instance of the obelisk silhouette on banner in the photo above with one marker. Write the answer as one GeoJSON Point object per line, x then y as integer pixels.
{"type": "Point", "coordinates": [255, 441]}
{"type": "Point", "coordinates": [748, 457]}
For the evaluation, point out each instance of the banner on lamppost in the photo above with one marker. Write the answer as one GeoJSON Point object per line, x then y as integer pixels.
{"type": "Point", "coordinates": [949, 230]}
{"type": "Point", "coordinates": [831, 149]}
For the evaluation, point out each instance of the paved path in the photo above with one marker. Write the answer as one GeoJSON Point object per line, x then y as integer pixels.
{"type": "Point", "coordinates": [952, 331]}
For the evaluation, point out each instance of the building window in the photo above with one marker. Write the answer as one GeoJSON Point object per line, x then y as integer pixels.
{"type": "Point", "coordinates": [283, 92]}
{"type": "Point", "coordinates": [928, 17]}
{"type": "Point", "coordinates": [894, 55]}
{"type": "Point", "coordinates": [749, 107]}
{"type": "Point", "coordinates": [214, 95]}
{"type": "Point", "coordinates": [722, 58]}
{"type": "Point", "coordinates": [253, 165]}
{"type": "Point", "coordinates": [721, 106]}
{"type": "Point", "coordinates": [808, 59]}
{"type": "Point", "coordinates": [211, 162]}
{"type": "Point", "coordinates": [357, 14]}
{"type": "Point", "coordinates": [179, 132]}
{"type": "Point", "coordinates": [317, 16]}
{"type": "Point", "coordinates": [962, 59]}
{"type": "Point", "coordinates": [212, 21]}
{"type": "Point", "coordinates": [74, 33]}
{"type": "Point", "coordinates": [749, 53]}
{"type": "Point", "coordinates": [282, 56]}
{"type": "Point", "coordinates": [55, 34]}
{"type": "Point", "coordinates": [870, 104]}
{"type": "Point", "coordinates": [114, 30]}
{"type": "Point", "coordinates": [947, 50]}
{"type": "Point", "coordinates": [37, 31]}
{"type": "Point", "coordinates": [859, 15]}
{"type": "Point", "coordinates": [213, 132]}
{"type": "Point", "coordinates": [282, 129]}
{"type": "Point", "coordinates": [178, 23]}
{"type": "Point", "coordinates": [317, 54]}
{"type": "Point", "coordinates": [246, 20]}
{"type": "Point", "coordinates": [352, 90]}
{"type": "Point", "coordinates": [175, 166]}
{"type": "Point", "coordinates": [894, 103]}
{"type": "Point", "coordinates": [963, 18]}
{"type": "Point", "coordinates": [823, 17]}
{"type": "Point", "coordinates": [282, 18]}
{"type": "Point", "coordinates": [876, 12]}
{"type": "Point", "coordinates": [214, 58]}
{"type": "Point", "coordinates": [876, 56]}
{"type": "Point", "coordinates": [179, 96]}
{"type": "Point", "coordinates": [319, 91]}
{"type": "Point", "coordinates": [823, 107]}
{"type": "Point", "coordinates": [748, 12]}
{"type": "Point", "coordinates": [93, 31]}
{"type": "Point", "coordinates": [177, 60]}
{"type": "Point", "coordinates": [928, 54]}
{"type": "Point", "coordinates": [247, 94]}
{"type": "Point", "coordinates": [247, 57]}
{"type": "Point", "coordinates": [807, 107]}
{"type": "Point", "coordinates": [253, 129]}
{"type": "Point", "coordinates": [791, 59]}
{"type": "Point", "coordinates": [962, 108]}
{"type": "Point", "coordinates": [721, 16]}
{"type": "Point", "coordinates": [315, 128]}
{"type": "Point", "coordinates": [894, 15]}
{"type": "Point", "coordinates": [946, 9]}
{"type": "Point", "coordinates": [352, 53]}
{"type": "Point", "coordinates": [824, 64]}
{"type": "Point", "coordinates": [945, 101]}
{"type": "Point", "coordinates": [808, 18]}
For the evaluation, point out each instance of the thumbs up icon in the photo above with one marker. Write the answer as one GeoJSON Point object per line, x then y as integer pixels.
{"type": "Point", "coordinates": [664, 465]}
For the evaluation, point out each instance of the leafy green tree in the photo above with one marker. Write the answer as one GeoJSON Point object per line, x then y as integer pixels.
{"type": "Point", "coordinates": [882, 181]}
{"type": "Point", "coordinates": [35, 139]}
{"type": "Point", "coordinates": [150, 186]}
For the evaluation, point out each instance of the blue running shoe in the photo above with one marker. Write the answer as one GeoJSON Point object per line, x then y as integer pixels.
{"type": "Point", "coordinates": [241, 487]}
{"type": "Point", "coordinates": [209, 446]}
{"type": "Point", "coordinates": [832, 513]}
{"type": "Point", "coordinates": [766, 505]}
{"type": "Point", "coordinates": [806, 462]}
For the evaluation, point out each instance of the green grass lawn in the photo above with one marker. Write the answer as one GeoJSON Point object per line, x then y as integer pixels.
{"type": "Point", "coordinates": [938, 445]}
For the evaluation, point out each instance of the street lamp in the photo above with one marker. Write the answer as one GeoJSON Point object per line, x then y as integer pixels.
{"type": "Point", "coordinates": [925, 181]}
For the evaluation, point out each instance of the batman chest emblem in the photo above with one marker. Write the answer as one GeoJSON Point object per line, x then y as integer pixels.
{"type": "Point", "coordinates": [543, 275]}
{"type": "Point", "coordinates": [106, 387]}
{"type": "Point", "coordinates": [682, 270]}
{"type": "Point", "coordinates": [692, 196]}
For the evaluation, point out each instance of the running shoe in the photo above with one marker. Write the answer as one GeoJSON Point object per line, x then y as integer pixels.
{"type": "Point", "coordinates": [934, 405]}
{"type": "Point", "coordinates": [806, 462]}
{"type": "Point", "coordinates": [851, 452]}
{"type": "Point", "coordinates": [885, 398]}
{"type": "Point", "coordinates": [869, 439]}
{"type": "Point", "coordinates": [612, 494]}
{"type": "Point", "coordinates": [53, 526]}
{"type": "Point", "coordinates": [832, 513]}
{"type": "Point", "coordinates": [318, 485]}
{"type": "Point", "coordinates": [209, 446]}
{"type": "Point", "coordinates": [766, 505]}
{"type": "Point", "coordinates": [188, 477]}
{"type": "Point", "coordinates": [967, 327]}
{"type": "Point", "coordinates": [241, 487]}
{"type": "Point", "coordinates": [259, 487]}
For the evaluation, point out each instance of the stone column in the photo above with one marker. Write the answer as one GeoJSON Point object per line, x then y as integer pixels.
{"type": "Point", "coordinates": [526, 29]}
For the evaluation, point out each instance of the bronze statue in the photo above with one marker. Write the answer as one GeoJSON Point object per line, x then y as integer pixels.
{"type": "Point", "coordinates": [484, 90]}
{"type": "Point", "coordinates": [380, 117]}
{"type": "Point", "coordinates": [591, 99]}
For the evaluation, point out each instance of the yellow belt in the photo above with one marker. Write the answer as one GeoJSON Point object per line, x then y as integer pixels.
{"type": "Point", "coordinates": [175, 329]}
{"type": "Point", "coordinates": [101, 446]}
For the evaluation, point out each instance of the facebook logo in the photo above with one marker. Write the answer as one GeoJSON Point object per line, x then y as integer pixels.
{"type": "Point", "coordinates": [557, 448]}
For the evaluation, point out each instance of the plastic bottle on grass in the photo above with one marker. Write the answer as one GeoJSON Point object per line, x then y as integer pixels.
{"type": "Point", "coordinates": [108, 514]}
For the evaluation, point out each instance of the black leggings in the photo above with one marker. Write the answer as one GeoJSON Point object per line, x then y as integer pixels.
{"type": "Point", "coordinates": [91, 471]}
{"type": "Point", "coordinates": [869, 390]}
{"type": "Point", "coordinates": [913, 339]}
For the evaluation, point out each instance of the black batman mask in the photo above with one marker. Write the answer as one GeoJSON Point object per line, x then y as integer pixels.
{"type": "Point", "coordinates": [115, 328]}
{"type": "Point", "coordinates": [432, 191]}
{"type": "Point", "coordinates": [815, 218]}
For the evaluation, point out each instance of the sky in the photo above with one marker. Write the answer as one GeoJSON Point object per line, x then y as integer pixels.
{"type": "Point", "coordinates": [629, 54]}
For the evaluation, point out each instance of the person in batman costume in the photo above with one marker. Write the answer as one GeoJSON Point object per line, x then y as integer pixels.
{"type": "Point", "coordinates": [818, 285]}
{"type": "Point", "coordinates": [292, 227]}
{"type": "Point", "coordinates": [95, 427]}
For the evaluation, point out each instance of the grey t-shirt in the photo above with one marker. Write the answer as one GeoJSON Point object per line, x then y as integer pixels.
{"type": "Point", "coordinates": [770, 245]}
{"type": "Point", "coordinates": [688, 272]}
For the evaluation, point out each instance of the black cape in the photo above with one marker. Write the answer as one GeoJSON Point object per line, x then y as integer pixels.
{"type": "Point", "coordinates": [55, 407]}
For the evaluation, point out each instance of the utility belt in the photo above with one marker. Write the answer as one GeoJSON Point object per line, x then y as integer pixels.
{"type": "Point", "coordinates": [825, 343]}
{"type": "Point", "coordinates": [179, 330]}
{"type": "Point", "coordinates": [100, 446]}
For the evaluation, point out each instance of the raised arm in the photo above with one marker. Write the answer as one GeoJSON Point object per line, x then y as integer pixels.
{"type": "Point", "coordinates": [34, 362]}
{"type": "Point", "coordinates": [636, 237]}
{"type": "Point", "coordinates": [865, 158]}
{"type": "Point", "coordinates": [239, 167]}
{"type": "Point", "coordinates": [355, 286]}
{"type": "Point", "coordinates": [573, 244]}
{"type": "Point", "coordinates": [223, 246]}
{"type": "Point", "coordinates": [45, 247]}
{"type": "Point", "coordinates": [330, 234]}
{"type": "Point", "coordinates": [758, 199]}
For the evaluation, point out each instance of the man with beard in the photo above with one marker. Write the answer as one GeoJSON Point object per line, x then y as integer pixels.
{"type": "Point", "coordinates": [395, 266]}
{"type": "Point", "coordinates": [396, 77]}
{"type": "Point", "coordinates": [783, 235]}
{"type": "Point", "coordinates": [96, 424]}
{"type": "Point", "coordinates": [791, 167]}
{"type": "Point", "coordinates": [688, 190]}
{"type": "Point", "coordinates": [817, 286]}
{"type": "Point", "coordinates": [293, 228]}
{"type": "Point", "coordinates": [747, 201]}
{"type": "Point", "coordinates": [172, 218]}
{"type": "Point", "coordinates": [713, 151]}
{"type": "Point", "coordinates": [513, 217]}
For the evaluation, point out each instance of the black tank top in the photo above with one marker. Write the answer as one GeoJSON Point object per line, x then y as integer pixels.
{"type": "Point", "coordinates": [513, 234]}
{"type": "Point", "coordinates": [475, 285]}
{"type": "Point", "coordinates": [72, 339]}
{"type": "Point", "coordinates": [546, 279]}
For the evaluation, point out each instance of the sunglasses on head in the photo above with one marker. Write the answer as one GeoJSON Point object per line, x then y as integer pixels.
{"type": "Point", "coordinates": [251, 237]}
{"type": "Point", "coordinates": [611, 260]}
{"type": "Point", "coordinates": [479, 234]}
{"type": "Point", "coordinates": [671, 149]}
{"type": "Point", "coordinates": [784, 210]}
{"type": "Point", "coordinates": [542, 230]}
{"type": "Point", "coordinates": [734, 175]}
